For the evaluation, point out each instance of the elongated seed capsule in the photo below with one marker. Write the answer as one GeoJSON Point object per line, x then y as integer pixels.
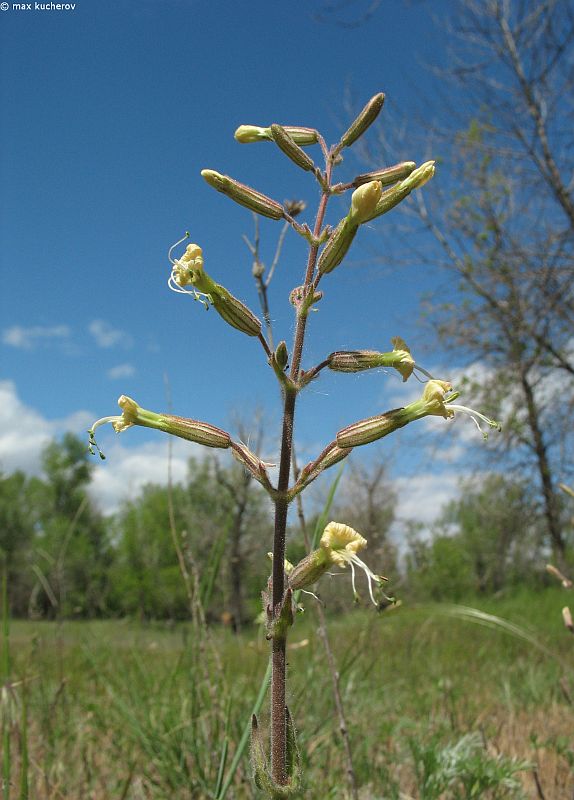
{"type": "Point", "coordinates": [366, 118]}
{"type": "Point", "coordinates": [291, 149]}
{"type": "Point", "coordinates": [234, 312]}
{"type": "Point", "coordinates": [247, 134]}
{"type": "Point", "coordinates": [387, 175]}
{"type": "Point", "coordinates": [396, 194]}
{"type": "Point", "coordinates": [337, 247]}
{"type": "Point", "coordinates": [244, 195]}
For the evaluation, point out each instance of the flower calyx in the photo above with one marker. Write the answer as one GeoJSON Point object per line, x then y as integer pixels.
{"type": "Point", "coordinates": [363, 121]}
{"type": "Point", "coordinates": [359, 360]}
{"type": "Point", "coordinates": [244, 195]}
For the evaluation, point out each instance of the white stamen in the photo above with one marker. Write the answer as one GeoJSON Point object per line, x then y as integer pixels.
{"type": "Point", "coordinates": [370, 576]}
{"type": "Point", "coordinates": [475, 416]}
{"type": "Point", "coordinates": [103, 421]}
{"type": "Point", "coordinates": [172, 248]}
{"type": "Point", "coordinates": [355, 594]}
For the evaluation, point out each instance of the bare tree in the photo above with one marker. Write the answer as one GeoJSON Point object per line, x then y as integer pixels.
{"type": "Point", "coordinates": [504, 225]}
{"type": "Point", "coordinates": [242, 496]}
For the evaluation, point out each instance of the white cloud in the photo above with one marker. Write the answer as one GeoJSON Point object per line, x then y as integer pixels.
{"type": "Point", "coordinates": [24, 432]}
{"type": "Point", "coordinates": [121, 371]}
{"type": "Point", "coordinates": [29, 338]}
{"type": "Point", "coordinates": [126, 471]}
{"type": "Point", "coordinates": [422, 497]}
{"type": "Point", "coordinates": [106, 335]}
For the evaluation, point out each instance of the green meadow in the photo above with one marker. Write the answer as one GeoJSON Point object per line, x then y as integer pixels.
{"type": "Point", "coordinates": [440, 702]}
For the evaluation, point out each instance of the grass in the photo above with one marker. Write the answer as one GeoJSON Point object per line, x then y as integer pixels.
{"type": "Point", "coordinates": [437, 705]}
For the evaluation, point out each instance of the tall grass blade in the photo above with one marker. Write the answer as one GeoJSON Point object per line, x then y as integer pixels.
{"type": "Point", "coordinates": [245, 737]}
{"type": "Point", "coordinates": [497, 623]}
{"type": "Point", "coordinates": [208, 580]}
{"type": "Point", "coordinates": [24, 743]}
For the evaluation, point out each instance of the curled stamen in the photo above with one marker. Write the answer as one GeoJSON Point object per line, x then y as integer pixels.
{"type": "Point", "coordinates": [172, 248]}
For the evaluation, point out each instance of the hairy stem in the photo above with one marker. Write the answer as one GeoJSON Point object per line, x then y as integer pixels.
{"type": "Point", "coordinates": [278, 731]}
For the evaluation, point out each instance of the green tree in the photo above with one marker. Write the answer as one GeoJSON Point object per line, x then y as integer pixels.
{"type": "Point", "coordinates": [72, 552]}
{"type": "Point", "coordinates": [19, 516]}
{"type": "Point", "coordinates": [499, 528]}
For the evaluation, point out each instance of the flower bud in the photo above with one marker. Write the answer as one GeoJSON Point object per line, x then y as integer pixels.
{"type": "Point", "coordinates": [247, 134]}
{"type": "Point", "coordinates": [566, 582]}
{"type": "Point", "coordinates": [420, 176]}
{"type": "Point", "coordinates": [364, 200]}
{"type": "Point", "coordinates": [337, 246]}
{"type": "Point", "coordinates": [292, 150]}
{"type": "Point", "coordinates": [366, 118]}
{"type": "Point", "coordinates": [244, 195]}
{"type": "Point", "coordinates": [281, 355]}
{"type": "Point", "coordinates": [396, 194]}
{"type": "Point", "coordinates": [387, 175]}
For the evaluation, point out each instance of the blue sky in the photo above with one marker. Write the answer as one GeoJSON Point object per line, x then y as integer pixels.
{"type": "Point", "coordinates": [110, 111]}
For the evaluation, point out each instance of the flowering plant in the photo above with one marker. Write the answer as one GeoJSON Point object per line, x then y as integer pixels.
{"type": "Point", "coordinates": [373, 195]}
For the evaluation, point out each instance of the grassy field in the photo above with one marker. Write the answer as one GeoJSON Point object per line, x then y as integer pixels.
{"type": "Point", "coordinates": [438, 705]}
